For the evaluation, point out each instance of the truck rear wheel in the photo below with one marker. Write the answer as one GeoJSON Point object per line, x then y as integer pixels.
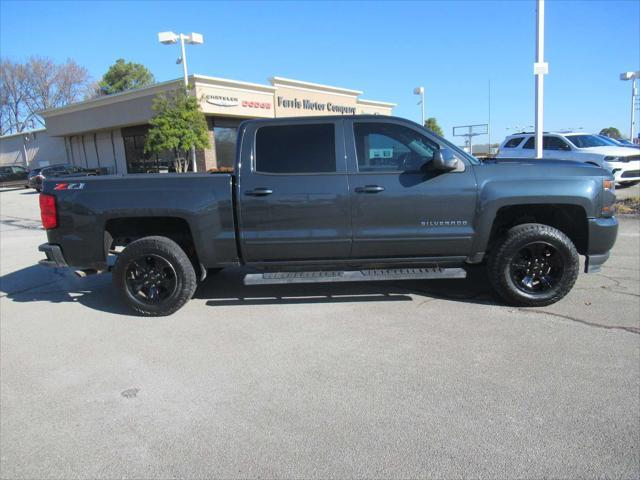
{"type": "Point", "coordinates": [534, 265]}
{"type": "Point", "coordinates": [154, 276]}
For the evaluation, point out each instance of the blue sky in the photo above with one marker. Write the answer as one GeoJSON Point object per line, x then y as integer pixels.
{"type": "Point", "coordinates": [385, 49]}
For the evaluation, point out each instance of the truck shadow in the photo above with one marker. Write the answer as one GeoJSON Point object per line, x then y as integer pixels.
{"type": "Point", "coordinates": [59, 285]}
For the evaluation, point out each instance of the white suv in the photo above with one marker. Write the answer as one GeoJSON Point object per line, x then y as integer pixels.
{"type": "Point", "coordinates": [623, 162]}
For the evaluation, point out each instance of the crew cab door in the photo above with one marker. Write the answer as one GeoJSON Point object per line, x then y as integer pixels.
{"type": "Point", "coordinates": [400, 205]}
{"type": "Point", "coordinates": [292, 191]}
{"type": "Point", "coordinates": [553, 147]}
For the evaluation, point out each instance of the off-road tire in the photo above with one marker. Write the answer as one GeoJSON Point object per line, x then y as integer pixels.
{"type": "Point", "coordinates": [501, 256]}
{"type": "Point", "coordinates": [170, 251]}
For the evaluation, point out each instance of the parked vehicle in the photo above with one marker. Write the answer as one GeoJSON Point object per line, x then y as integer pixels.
{"type": "Point", "coordinates": [335, 199]}
{"type": "Point", "coordinates": [13, 176]}
{"type": "Point", "coordinates": [37, 176]}
{"type": "Point", "coordinates": [623, 162]}
{"type": "Point", "coordinates": [619, 142]}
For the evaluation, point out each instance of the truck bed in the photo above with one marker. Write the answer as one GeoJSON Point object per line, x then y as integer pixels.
{"type": "Point", "coordinates": [88, 206]}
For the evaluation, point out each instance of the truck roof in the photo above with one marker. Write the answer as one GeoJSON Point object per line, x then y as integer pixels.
{"type": "Point", "coordinates": [330, 118]}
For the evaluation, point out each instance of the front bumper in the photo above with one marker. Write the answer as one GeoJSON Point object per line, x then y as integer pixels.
{"type": "Point", "coordinates": [625, 171]}
{"type": "Point", "coordinates": [602, 236]}
{"type": "Point", "coordinates": [55, 258]}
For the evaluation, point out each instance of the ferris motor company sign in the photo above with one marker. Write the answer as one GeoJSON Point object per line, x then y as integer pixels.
{"type": "Point", "coordinates": [306, 104]}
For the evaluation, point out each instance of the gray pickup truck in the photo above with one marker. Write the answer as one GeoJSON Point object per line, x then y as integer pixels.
{"type": "Point", "coordinates": [334, 199]}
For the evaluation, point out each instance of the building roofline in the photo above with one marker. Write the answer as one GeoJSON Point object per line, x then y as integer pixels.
{"type": "Point", "coordinates": [107, 99]}
{"type": "Point", "coordinates": [376, 103]}
{"type": "Point", "coordinates": [37, 130]}
{"type": "Point", "coordinates": [233, 83]}
{"type": "Point", "coordinates": [204, 80]}
{"type": "Point", "coordinates": [289, 82]}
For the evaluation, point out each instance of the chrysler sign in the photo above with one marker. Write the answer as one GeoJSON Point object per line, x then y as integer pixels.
{"type": "Point", "coordinates": [221, 100]}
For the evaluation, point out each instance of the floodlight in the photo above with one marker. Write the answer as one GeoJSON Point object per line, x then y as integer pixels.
{"type": "Point", "coordinates": [195, 39]}
{"type": "Point", "coordinates": [167, 38]}
{"type": "Point", "coordinates": [418, 90]}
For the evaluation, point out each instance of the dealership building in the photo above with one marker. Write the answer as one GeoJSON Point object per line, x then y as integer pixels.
{"type": "Point", "coordinates": [109, 132]}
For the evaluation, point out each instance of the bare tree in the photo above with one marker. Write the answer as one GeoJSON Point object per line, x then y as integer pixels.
{"type": "Point", "coordinates": [39, 84]}
{"type": "Point", "coordinates": [52, 86]}
{"type": "Point", "coordinates": [13, 92]}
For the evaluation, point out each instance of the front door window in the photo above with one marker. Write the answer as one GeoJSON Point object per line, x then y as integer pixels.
{"type": "Point", "coordinates": [385, 147]}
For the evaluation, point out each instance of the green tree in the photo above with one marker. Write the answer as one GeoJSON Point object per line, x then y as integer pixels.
{"type": "Point", "coordinates": [177, 126]}
{"type": "Point", "coordinates": [432, 124]}
{"type": "Point", "coordinates": [611, 132]}
{"type": "Point", "coordinates": [123, 76]}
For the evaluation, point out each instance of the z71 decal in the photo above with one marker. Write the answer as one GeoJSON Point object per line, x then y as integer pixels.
{"type": "Point", "coordinates": [69, 186]}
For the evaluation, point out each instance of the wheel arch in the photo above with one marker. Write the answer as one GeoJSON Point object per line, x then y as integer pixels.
{"type": "Point", "coordinates": [121, 231]}
{"type": "Point", "coordinates": [570, 219]}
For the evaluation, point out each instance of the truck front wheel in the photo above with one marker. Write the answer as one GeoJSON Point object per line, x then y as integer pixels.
{"type": "Point", "coordinates": [154, 276]}
{"type": "Point", "coordinates": [533, 265]}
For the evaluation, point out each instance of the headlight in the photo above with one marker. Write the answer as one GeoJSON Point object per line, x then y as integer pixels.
{"type": "Point", "coordinates": [608, 184]}
{"type": "Point", "coordinates": [611, 159]}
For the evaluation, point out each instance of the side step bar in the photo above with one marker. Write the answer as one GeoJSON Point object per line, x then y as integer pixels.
{"type": "Point", "coordinates": [354, 276]}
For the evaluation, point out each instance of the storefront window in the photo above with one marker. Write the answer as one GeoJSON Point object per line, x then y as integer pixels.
{"type": "Point", "coordinates": [137, 160]}
{"type": "Point", "coordinates": [225, 141]}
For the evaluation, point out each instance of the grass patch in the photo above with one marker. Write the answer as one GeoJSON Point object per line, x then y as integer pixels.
{"type": "Point", "coordinates": [628, 206]}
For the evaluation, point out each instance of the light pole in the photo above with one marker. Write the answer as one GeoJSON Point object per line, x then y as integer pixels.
{"type": "Point", "coordinates": [169, 38]}
{"type": "Point", "coordinates": [633, 76]}
{"type": "Point", "coordinates": [420, 91]}
{"type": "Point", "coordinates": [540, 69]}
{"type": "Point", "coordinates": [26, 139]}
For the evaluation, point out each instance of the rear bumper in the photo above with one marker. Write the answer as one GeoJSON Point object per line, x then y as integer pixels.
{"type": "Point", "coordinates": [602, 236]}
{"type": "Point", "coordinates": [55, 258]}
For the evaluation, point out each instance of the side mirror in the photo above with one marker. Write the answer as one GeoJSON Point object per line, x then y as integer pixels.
{"type": "Point", "coordinates": [445, 160]}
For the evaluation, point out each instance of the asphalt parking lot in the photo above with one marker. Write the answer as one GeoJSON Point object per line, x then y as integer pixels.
{"type": "Point", "coordinates": [386, 380]}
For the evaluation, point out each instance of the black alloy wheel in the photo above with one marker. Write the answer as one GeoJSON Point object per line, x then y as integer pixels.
{"type": "Point", "coordinates": [537, 268]}
{"type": "Point", "coordinates": [533, 265]}
{"type": "Point", "coordinates": [154, 276]}
{"type": "Point", "coordinates": [151, 279]}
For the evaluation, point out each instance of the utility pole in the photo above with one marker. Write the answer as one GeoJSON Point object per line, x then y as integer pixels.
{"type": "Point", "coordinates": [633, 76]}
{"type": "Point", "coordinates": [540, 69]}
{"type": "Point", "coordinates": [489, 122]}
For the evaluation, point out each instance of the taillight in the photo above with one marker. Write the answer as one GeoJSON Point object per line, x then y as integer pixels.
{"type": "Point", "coordinates": [48, 211]}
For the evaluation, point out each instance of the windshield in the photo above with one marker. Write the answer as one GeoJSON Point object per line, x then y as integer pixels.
{"type": "Point", "coordinates": [610, 141]}
{"type": "Point", "coordinates": [587, 141]}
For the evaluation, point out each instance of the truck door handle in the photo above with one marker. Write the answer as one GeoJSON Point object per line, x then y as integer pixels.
{"type": "Point", "coordinates": [370, 189]}
{"type": "Point", "coordinates": [259, 192]}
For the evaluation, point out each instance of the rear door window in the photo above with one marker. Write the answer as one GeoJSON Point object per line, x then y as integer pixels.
{"type": "Point", "coordinates": [284, 149]}
{"type": "Point", "coordinates": [513, 143]}
{"type": "Point", "coordinates": [530, 143]}
{"type": "Point", "coordinates": [554, 143]}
